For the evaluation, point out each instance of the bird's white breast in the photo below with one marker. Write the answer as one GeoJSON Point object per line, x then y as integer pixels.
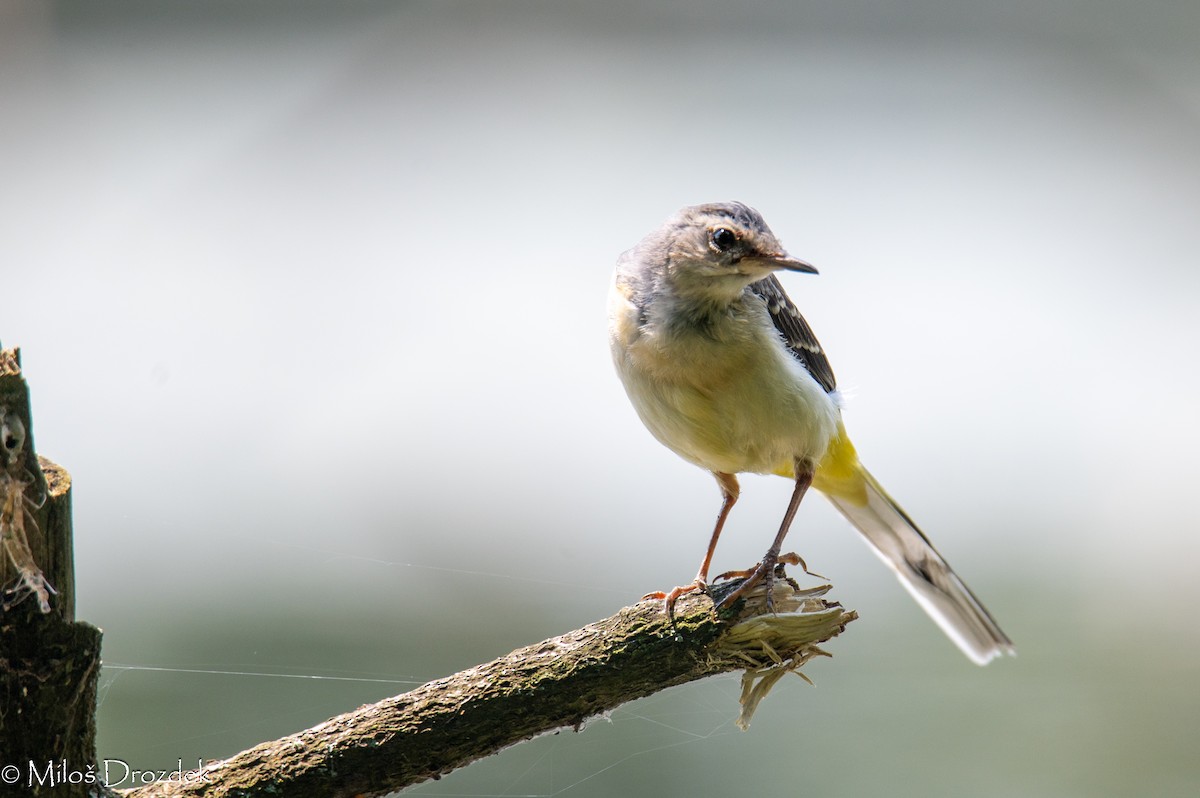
{"type": "Point", "coordinates": [729, 398]}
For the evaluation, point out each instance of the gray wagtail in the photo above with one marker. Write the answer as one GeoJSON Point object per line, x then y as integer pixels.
{"type": "Point", "coordinates": [725, 372]}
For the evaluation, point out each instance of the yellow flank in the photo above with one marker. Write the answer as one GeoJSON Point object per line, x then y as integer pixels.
{"type": "Point", "coordinates": [839, 473]}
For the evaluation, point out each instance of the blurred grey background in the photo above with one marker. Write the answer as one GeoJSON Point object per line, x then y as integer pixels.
{"type": "Point", "coordinates": [311, 301]}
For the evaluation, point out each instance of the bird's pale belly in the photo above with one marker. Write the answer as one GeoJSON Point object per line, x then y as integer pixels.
{"type": "Point", "coordinates": [757, 414]}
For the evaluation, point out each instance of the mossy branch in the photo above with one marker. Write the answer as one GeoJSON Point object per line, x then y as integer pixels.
{"type": "Point", "coordinates": [556, 684]}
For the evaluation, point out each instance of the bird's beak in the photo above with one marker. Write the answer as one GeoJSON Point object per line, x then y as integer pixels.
{"type": "Point", "coordinates": [784, 261]}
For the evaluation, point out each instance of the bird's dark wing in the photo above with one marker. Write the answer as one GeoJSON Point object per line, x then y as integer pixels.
{"type": "Point", "coordinates": [795, 331]}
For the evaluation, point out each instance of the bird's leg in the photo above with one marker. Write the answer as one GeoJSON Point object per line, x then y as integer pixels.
{"type": "Point", "coordinates": [765, 570]}
{"type": "Point", "coordinates": [730, 491]}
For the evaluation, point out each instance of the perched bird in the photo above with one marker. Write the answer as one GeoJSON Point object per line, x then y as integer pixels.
{"type": "Point", "coordinates": [724, 371]}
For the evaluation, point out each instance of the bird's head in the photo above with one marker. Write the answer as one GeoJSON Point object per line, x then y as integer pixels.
{"type": "Point", "coordinates": [717, 250]}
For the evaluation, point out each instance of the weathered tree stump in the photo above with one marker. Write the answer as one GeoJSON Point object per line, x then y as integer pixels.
{"type": "Point", "coordinates": [49, 663]}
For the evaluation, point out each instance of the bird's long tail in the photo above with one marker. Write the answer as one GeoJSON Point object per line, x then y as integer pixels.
{"type": "Point", "coordinates": [899, 543]}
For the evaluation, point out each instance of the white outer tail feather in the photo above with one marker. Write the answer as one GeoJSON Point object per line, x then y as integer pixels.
{"type": "Point", "coordinates": [931, 581]}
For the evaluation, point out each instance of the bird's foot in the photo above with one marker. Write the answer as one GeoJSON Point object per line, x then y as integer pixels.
{"type": "Point", "coordinates": [669, 599]}
{"type": "Point", "coordinates": [765, 572]}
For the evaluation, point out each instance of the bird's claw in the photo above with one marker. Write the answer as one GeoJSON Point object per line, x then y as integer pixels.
{"type": "Point", "coordinates": [765, 572]}
{"type": "Point", "coordinates": [669, 598]}
{"type": "Point", "coordinates": [792, 558]}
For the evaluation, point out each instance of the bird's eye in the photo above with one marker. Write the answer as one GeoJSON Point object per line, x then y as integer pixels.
{"type": "Point", "coordinates": [723, 239]}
